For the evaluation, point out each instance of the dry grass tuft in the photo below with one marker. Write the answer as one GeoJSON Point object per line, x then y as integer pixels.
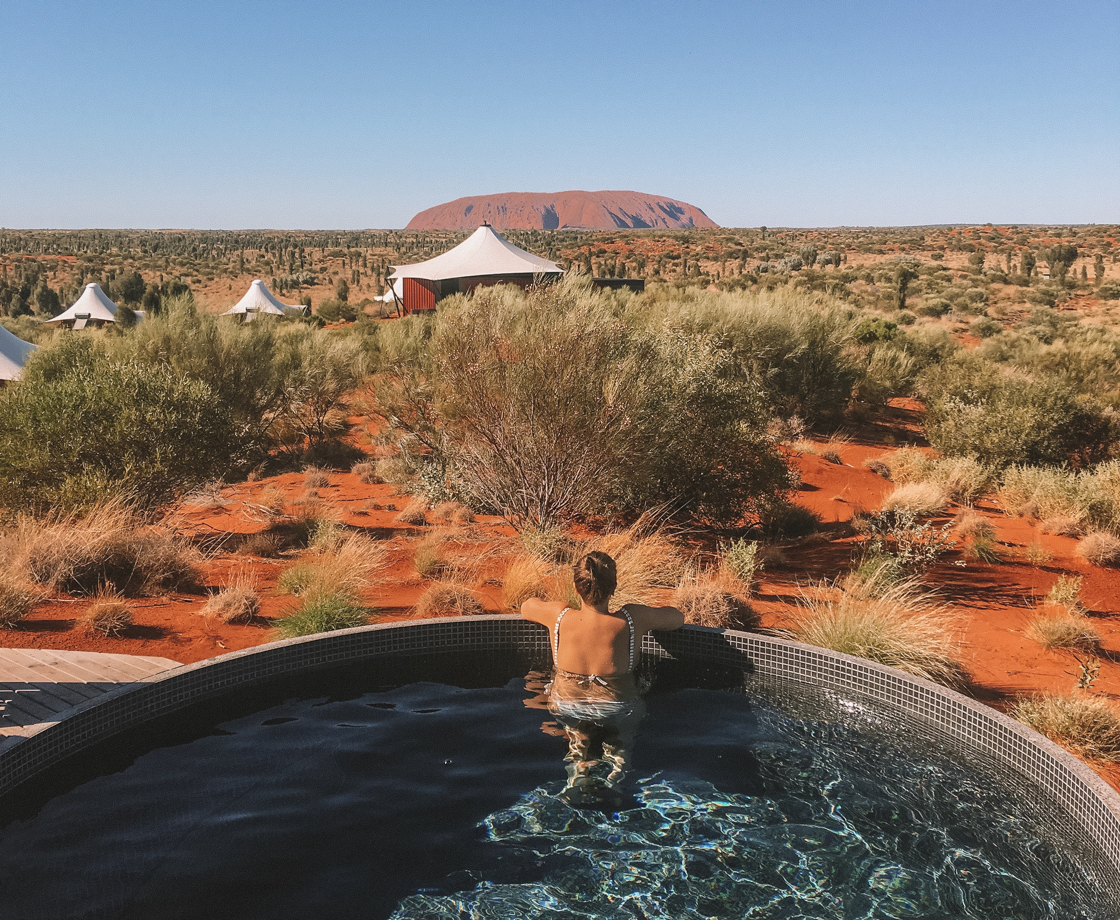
{"type": "Point", "coordinates": [108, 615]}
{"type": "Point", "coordinates": [715, 600]}
{"type": "Point", "coordinates": [1060, 525]}
{"type": "Point", "coordinates": [315, 478]}
{"type": "Point", "coordinates": [1100, 548]}
{"type": "Point", "coordinates": [832, 456]}
{"type": "Point", "coordinates": [273, 501]}
{"type": "Point", "coordinates": [649, 563]}
{"type": "Point", "coordinates": [526, 577]}
{"type": "Point", "coordinates": [1066, 592]}
{"type": "Point", "coordinates": [1028, 510]}
{"type": "Point", "coordinates": [921, 498]}
{"type": "Point", "coordinates": [1087, 725]}
{"type": "Point", "coordinates": [431, 557]}
{"type": "Point", "coordinates": [1064, 631]}
{"type": "Point", "coordinates": [895, 625]}
{"type": "Point", "coordinates": [237, 601]}
{"type": "Point", "coordinates": [452, 513]}
{"type": "Point", "coordinates": [970, 524]}
{"type": "Point", "coordinates": [445, 598]}
{"type": "Point", "coordinates": [17, 598]}
{"type": "Point", "coordinates": [414, 513]}
{"type": "Point", "coordinates": [107, 547]}
{"type": "Point", "coordinates": [366, 472]}
{"type": "Point", "coordinates": [878, 467]}
{"type": "Point", "coordinates": [264, 545]}
{"type": "Point", "coordinates": [346, 570]}
{"type": "Point", "coordinates": [1037, 555]}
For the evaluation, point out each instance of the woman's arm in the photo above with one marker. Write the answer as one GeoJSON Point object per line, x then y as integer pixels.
{"type": "Point", "coordinates": [659, 618]}
{"type": "Point", "coordinates": [544, 612]}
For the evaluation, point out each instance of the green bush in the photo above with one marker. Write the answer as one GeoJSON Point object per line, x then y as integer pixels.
{"type": "Point", "coordinates": [1000, 417]}
{"type": "Point", "coordinates": [322, 613]}
{"type": "Point", "coordinates": [80, 428]}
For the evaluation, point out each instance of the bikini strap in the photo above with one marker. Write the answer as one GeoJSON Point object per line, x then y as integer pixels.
{"type": "Point", "coordinates": [556, 638]}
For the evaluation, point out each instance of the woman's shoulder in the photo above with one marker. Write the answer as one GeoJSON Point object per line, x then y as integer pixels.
{"type": "Point", "coordinates": [538, 611]}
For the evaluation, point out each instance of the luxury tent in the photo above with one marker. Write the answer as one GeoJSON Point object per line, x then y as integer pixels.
{"type": "Point", "coordinates": [257, 300]}
{"type": "Point", "coordinates": [484, 258]}
{"type": "Point", "coordinates": [14, 353]}
{"type": "Point", "coordinates": [92, 308]}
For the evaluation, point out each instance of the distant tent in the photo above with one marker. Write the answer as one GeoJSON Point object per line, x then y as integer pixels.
{"type": "Point", "coordinates": [259, 299]}
{"type": "Point", "coordinates": [92, 308]}
{"type": "Point", "coordinates": [14, 353]}
{"type": "Point", "coordinates": [484, 258]}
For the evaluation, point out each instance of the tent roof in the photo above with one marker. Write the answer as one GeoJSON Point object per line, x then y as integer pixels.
{"type": "Point", "coordinates": [484, 252]}
{"type": "Point", "coordinates": [14, 353]}
{"type": "Point", "coordinates": [259, 299]}
{"type": "Point", "coordinates": [93, 301]}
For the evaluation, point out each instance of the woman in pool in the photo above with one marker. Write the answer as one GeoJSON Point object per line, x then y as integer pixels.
{"type": "Point", "coordinates": [594, 691]}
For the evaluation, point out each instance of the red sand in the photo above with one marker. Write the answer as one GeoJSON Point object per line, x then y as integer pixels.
{"type": "Point", "coordinates": [994, 601]}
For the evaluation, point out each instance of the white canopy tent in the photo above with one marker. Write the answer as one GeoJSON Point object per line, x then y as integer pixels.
{"type": "Point", "coordinates": [93, 306]}
{"type": "Point", "coordinates": [14, 353]}
{"type": "Point", "coordinates": [259, 299]}
{"type": "Point", "coordinates": [485, 252]}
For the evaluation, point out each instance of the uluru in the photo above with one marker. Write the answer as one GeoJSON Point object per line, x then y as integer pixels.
{"type": "Point", "coordinates": [574, 210]}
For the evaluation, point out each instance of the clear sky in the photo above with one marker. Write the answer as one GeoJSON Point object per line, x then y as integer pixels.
{"type": "Point", "coordinates": [230, 114]}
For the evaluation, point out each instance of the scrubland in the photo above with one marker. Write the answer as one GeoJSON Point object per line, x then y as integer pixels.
{"type": "Point", "coordinates": [863, 472]}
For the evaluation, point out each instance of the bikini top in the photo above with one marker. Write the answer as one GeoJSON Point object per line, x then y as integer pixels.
{"type": "Point", "coordinates": [594, 677]}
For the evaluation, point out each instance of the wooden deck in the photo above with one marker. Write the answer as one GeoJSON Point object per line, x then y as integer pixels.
{"type": "Point", "coordinates": [38, 686]}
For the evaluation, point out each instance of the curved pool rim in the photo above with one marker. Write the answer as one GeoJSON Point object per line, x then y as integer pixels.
{"type": "Point", "coordinates": [1090, 803]}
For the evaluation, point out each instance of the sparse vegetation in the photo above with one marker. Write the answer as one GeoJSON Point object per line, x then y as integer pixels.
{"type": "Point", "coordinates": [1066, 592]}
{"type": "Point", "coordinates": [446, 598]}
{"type": "Point", "coordinates": [918, 498]}
{"type": "Point", "coordinates": [525, 577]}
{"type": "Point", "coordinates": [107, 615]}
{"type": "Point", "coordinates": [17, 598]}
{"type": "Point", "coordinates": [740, 558]}
{"type": "Point", "coordinates": [1064, 631]}
{"type": "Point", "coordinates": [1099, 549]}
{"type": "Point", "coordinates": [893, 624]}
{"type": "Point", "coordinates": [322, 613]}
{"type": "Point", "coordinates": [1087, 725]}
{"type": "Point", "coordinates": [714, 600]}
{"type": "Point", "coordinates": [236, 602]}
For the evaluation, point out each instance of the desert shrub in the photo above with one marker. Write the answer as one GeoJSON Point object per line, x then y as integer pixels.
{"type": "Point", "coordinates": [315, 478]}
{"type": "Point", "coordinates": [266, 545]}
{"type": "Point", "coordinates": [878, 467]}
{"type": "Point", "coordinates": [430, 558]}
{"type": "Point", "coordinates": [448, 599]}
{"type": "Point", "coordinates": [551, 544]}
{"type": "Point", "coordinates": [715, 601]}
{"type": "Point", "coordinates": [1099, 549]}
{"type": "Point", "coordinates": [548, 406]}
{"type": "Point", "coordinates": [525, 577]}
{"type": "Point", "coordinates": [108, 546]}
{"type": "Point", "coordinates": [890, 371]}
{"type": "Point", "coordinates": [80, 428]}
{"type": "Point", "coordinates": [322, 613]}
{"type": "Point", "coordinates": [236, 602]}
{"type": "Point", "coordinates": [982, 548]}
{"type": "Point", "coordinates": [894, 625]}
{"type": "Point", "coordinates": [787, 521]}
{"type": "Point", "coordinates": [346, 568]}
{"type": "Point", "coordinates": [921, 499]}
{"type": "Point", "coordinates": [415, 513]}
{"type": "Point", "coordinates": [741, 559]}
{"type": "Point", "coordinates": [969, 524]}
{"type": "Point", "coordinates": [1087, 725]}
{"type": "Point", "coordinates": [1089, 497]}
{"type": "Point", "coordinates": [17, 598]}
{"type": "Point", "coordinates": [273, 500]}
{"type": "Point", "coordinates": [1037, 555]}
{"type": "Point", "coordinates": [394, 470]}
{"type": "Point", "coordinates": [1066, 592]}
{"type": "Point", "coordinates": [107, 615]}
{"type": "Point", "coordinates": [832, 456]}
{"type": "Point", "coordinates": [902, 545]}
{"type": "Point", "coordinates": [1064, 631]}
{"type": "Point", "coordinates": [985, 327]}
{"type": "Point", "coordinates": [366, 472]}
{"type": "Point", "coordinates": [1002, 417]}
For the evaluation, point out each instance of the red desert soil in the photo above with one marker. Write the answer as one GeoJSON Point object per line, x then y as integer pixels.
{"type": "Point", "coordinates": [574, 210]}
{"type": "Point", "coordinates": [995, 602]}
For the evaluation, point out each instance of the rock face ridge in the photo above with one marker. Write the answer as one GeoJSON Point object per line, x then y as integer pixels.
{"type": "Point", "coordinates": [574, 210]}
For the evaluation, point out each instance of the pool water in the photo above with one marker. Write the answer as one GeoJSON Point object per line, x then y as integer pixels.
{"type": "Point", "coordinates": [347, 798]}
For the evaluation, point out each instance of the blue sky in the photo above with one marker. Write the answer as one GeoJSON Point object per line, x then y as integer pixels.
{"type": "Point", "coordinates": [347, 115]}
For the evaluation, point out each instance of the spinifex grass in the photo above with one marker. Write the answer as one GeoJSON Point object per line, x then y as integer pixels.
{"type": "Point", "coordinates": [896, 625]}
{"type": "Point", "coordinates": [1087, 725]}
